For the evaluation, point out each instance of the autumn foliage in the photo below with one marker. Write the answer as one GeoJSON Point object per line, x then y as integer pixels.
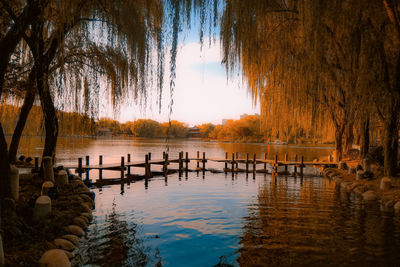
{"type": "Point", "coordinates": [75, 124]}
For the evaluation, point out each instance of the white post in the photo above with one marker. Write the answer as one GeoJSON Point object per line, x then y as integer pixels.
{"type": "Point", "coordinates": [42, 208]}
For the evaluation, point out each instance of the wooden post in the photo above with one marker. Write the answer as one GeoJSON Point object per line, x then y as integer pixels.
{"type": "Point", "coordinates": [301, 165]}
{"type": "Point", "coordinates": [122, 169]}
{"type": "Point", "coordinates": [87, 170]}
{"type": "Point", "coordinates": [198, 160]}
{"type": "Point", "coordinates": [146, 166]}
{"type": "Point", "coordinates": [276, 164]}
{"type": "Point", "coordinates": [247, 162]}
{"type": "Point", "coordinates": [233, 163]}
{"type": "Point", "coordinates": [265, 163]}
{"type": "Point", "coordinates": [36, 164]}
{"type": "Point", "coordinates": [226, 161]}
{"type": "Point", "coordinates": [187, 161]}
{"type": "Point", "coordinates": [163, 155]}
{"type": "Point", "coordinates": [204, 162]}
{"type": "Point", "coordinates": [166, 164]}
{"type": "Point", "coordinates": [80, 167]}
{"type": "Point", "coordinates": [149, 155]}
{"type": "Point", "coordinates": [254, 163]}
{"type": "Point", "coordinates": [237, 157]}
{"type": "Point", "coordinates": [295, 165]}
{"type": "Point", "coordinates": [100, 170]}
{"type": "Point", "coordinates": [180, 162]}
{"type": "Point", "coordinates": [286, 166]}
{"type": "Point", "coordinates": [129, 167]}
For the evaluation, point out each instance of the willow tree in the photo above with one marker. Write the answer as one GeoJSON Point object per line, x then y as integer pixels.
{"type": "Point", "coordinates": [269, 42]}
{"type": "Point", "coordinates": [302, 60]}
{"type": "Point", "coordinates": [383, 60]}
{"type": "Point", "coordinates": [92, 44]}
{"type": "Point", "coordinates": [13, 26]}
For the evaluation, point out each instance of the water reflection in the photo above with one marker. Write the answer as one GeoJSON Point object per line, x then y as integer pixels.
{"type": "Point", "coordinates": [219, 221]}
{"type": "Point", "coordinates": [294, 224]}
{"type": "Point", "coordinates": [113, 242]}
{"type": "Point", "coordinates": [226, 219]}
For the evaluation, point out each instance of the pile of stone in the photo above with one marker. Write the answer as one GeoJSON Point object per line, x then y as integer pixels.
{"type": "Point", "coordinates": [65, 244]}
{"type": "Point", "coordinates": [358, 188]}
{"type": "Point", "coordinates": [63, 247]}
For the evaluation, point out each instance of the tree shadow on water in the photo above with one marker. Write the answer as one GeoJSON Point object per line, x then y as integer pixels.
{"type": "Point", "coordinates": [115, 243]}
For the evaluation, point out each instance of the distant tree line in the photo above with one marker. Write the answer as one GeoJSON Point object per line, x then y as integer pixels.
{"type": "Point", "coordinates": [74, 124]}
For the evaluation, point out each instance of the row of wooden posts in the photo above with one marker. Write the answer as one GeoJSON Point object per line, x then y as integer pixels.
{"type": "Point", "coordinates": [233, 161]}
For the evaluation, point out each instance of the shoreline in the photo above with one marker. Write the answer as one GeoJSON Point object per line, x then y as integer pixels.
{"type": "Point", "coordinates": [383, 190]}
{"type": "Point", "coordinates": [53, 239]}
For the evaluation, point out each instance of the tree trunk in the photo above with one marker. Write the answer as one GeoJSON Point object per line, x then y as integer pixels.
{"type": "Point", "coordinates": [364, 133]}
{"type": "Point", "coordinates": [5, 170]}
{"type": "Point", "coordinates": [390, 143]}
{"type": "Point", "coordinates": [25, 109]}
{"type": "Point", "coordinates": [349, 138]}
{"type": "Point", "coordinates": [49, 112]}
{"type": "Point", "coordinates": [7, 45]}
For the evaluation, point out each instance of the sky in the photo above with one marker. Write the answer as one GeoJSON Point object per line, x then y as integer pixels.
{"type": "Point", "coordinates": [202, 93]}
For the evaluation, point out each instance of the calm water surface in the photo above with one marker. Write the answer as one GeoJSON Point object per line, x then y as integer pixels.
{"type": "Point", "coordinates": [221, 220]}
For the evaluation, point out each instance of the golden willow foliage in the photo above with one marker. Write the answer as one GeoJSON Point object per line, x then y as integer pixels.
{"type": "Point", "coordinates": [121, 46]}
{"type": "Point", "coordinates": [110, 52]}
{"type": "Point", "coordinates": [266, 41]}
{"type": "Point", "coordinates": [302, 60]}
{"type": "Point", "coordinates": [71, 123]}
{"type": "Point", "coordinates": [110, 46]}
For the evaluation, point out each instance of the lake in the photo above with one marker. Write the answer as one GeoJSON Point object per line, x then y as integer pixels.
{"type": "Point", "coordinates": [220, 220]}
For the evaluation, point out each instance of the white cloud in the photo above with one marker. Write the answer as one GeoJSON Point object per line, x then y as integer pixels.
{"type": "Point", "coordinates": [202, 93]}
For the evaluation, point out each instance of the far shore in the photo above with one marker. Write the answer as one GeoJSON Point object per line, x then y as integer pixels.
{"type": "Point", "coordinates": [221, 140]}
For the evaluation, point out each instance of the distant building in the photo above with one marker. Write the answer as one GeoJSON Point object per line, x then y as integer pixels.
{"type": "Point", "coordinates": [104, 132]}
{"type": "Point", "coordinates": [244, 115]}
{"type": "Point", "coordinates": [224, 121]}
{"type": "Point", "coordinates": [194, 132]}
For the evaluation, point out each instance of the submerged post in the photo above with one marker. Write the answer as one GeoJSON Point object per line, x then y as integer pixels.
{"type": "Point", "coordinates": [100, 170]}
{"type": "Point", "coordinates": [87, 170]}
{"type": "Point", "coordinates": [198, 160]}
{"type": "Point", "coordinates": [286, 166]}
{"type": "Point", "coordinates": [295, 165]}
{"type": "Point", "coordinates": [302, 165]}
{"type": "Point", "coordinates": [122, 169]}
{"type": "Point", "coordinates": [146, 166]}
{"type": "Point", "coordinates": [129, 167]}
{"type": "Point", "coordinates": [166, 164]}
{"type": "Point", "coordinates": [237, 157]}
{"type": "Point", "coordinates": [80, 167]}
{"type": "Point", "coordinates": [180, 162]}
{"type": "Point", "coordinates": [265, 162]}
{"type": "Point", "coordinates": [233, 163]}
{"type": "Point", "coordinates": [247, 162]}
{"type": "Point", "coordinates": [254, 163]}
{"type": "Point", "coordinates": [149, 155]}
{"type": "Point", "coordinates": [226, 161]}
{"type": "Point", "coordinates": [276, 164]}
{"type": "Point", "coordinates": [186, 161]}
{"type": "Point", "coordinates": [204, 162]}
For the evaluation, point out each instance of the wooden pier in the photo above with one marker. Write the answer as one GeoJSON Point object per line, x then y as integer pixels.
{"type": "Point", "coordinates": [231, 165]}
